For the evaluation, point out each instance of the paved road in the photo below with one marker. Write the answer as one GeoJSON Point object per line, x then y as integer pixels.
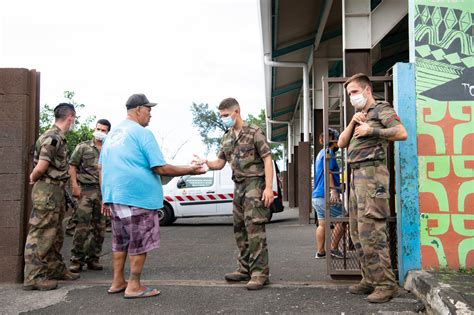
{"type": "Point", "coordinates": [189, 268]}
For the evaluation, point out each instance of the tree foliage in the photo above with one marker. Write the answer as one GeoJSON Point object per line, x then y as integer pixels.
{"type": "Point", "coordinates": [211, 128]}
{"type": "Point", "coordinates": [81, 131]}
{"type": "Point", "coordinates": [209, 124]}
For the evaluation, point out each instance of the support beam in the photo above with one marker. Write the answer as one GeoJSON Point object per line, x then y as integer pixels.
{"type": "Point", "coordinates": [292, 48]}
{"type": "Point", "coordinates": [304, 182]}
{"type": "Point", "coordinates": [276, 127]}
{"type": "Point", "coordinates": [356, 24]}
{"type": "Point", "coordinates": [356, 61]}
{"type": "Point", "coordinates": [287, 88]}
{"type": "Point", "coordinates": [283, 112]}
{"type": "Point", "coordinates": [408, 214]}
{"type": "Point", "coordinates": [384, 18]}
{"type": "Point", "coordinates": [318, 129]}
{"type": "Point", "coordinates": [291, 184]}
{"type": "Point", "coordinates": [295, 175]}
{"type": "Point", "coordinates": [284, 176]}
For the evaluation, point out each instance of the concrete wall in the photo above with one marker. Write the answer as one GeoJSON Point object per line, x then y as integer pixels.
{"type": "Point", "coordinates": [18, 128]}
{"type": "Point", "coordinates": [443, 51]}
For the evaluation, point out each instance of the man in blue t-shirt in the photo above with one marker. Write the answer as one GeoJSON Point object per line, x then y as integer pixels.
{"type": "Point", "coordinates": [318, 200]}
{"type": "Point", "coordinates": [131, 163]}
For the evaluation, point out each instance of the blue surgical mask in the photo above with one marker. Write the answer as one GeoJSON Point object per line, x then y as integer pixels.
{"type": "Point", "coordinates": [228, 121]}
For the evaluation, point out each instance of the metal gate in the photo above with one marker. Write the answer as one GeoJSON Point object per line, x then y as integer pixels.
{"type": "Point", "coordinates": [334, 116]}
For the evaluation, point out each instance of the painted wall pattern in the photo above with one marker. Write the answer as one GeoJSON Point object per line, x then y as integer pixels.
{"type": "Point", "coordinates": [444, 48]}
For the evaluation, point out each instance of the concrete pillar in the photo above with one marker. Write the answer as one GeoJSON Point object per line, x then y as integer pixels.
{"type": "Point", "coordinates": [318, 128]}
{"type": "Point", "coordinates": [284, 176]}
{"type": "Point", "coordinates": [304, 182]}
{"type": "Point", "coordinates": [19, 112]}
{"type": "Point", "coordinates": [408, 214]}
{"type": "Point", "coordinates": [290, 184]}
{"type": "Point", "coordinates": [296, 174]}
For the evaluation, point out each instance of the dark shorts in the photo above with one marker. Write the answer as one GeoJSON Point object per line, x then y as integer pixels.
{"type": "Point", "coordinates": [134, 230]}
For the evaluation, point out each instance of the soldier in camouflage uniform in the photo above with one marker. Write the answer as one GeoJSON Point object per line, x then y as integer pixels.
{"type": "Point", "coordinates": [90, 223]}
{"type": "Point", "coordinates": [367, 136]}
{"type": "Point", "coordinates": [43, 260]}
{"type": "Point", "coordinates": [246, 149]}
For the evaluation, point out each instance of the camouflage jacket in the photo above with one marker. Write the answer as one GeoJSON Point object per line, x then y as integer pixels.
{"type": "Point", "coordinates": [245, 153]}
{"type": "Point", "coordinates": [86, 160]}
{"type": "Point", "coordinates": [379, 115]}
{"type": "Point", "coordinates": [51, 146]}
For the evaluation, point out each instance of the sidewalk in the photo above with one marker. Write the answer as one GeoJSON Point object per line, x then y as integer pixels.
{"type": "Point", "coordinates": [443, 292]}
{"type": "Point", "coordinates": [189, 267]}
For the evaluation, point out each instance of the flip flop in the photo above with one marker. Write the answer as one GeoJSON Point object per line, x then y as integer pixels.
{"type": "Point", "coordinates": [116, 291]}
{"type": "Point", "coordinates": [148, 292]}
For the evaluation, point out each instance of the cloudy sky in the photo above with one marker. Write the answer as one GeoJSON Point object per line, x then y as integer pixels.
{"type": "Point", "coordinates": [176, 52]}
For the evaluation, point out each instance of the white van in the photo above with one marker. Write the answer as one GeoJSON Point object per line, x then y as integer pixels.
{"type": "Point", "coordinates": [206, 195]}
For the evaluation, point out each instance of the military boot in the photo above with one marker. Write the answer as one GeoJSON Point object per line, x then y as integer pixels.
{"type": "Point", "coordinates": [94, 265]}
{"type": "Point", "coordinates": [257, 282]}
{"type": "Point", "coordinates": [75, 266]}
{"type": "Point", "coordinates": [361, 289]}
{"type": "Point", "coordinates": [382, 295]}
{"type": "Point", "coordinates": [67, 275]}
{"type": "Point", "coordinates": [237, 276]}
{"type": "Point", "coordinates": [42, 285]}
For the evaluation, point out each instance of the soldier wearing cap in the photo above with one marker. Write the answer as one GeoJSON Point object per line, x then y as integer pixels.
{"type": "Point", "coordinates": [373, 125]}
{"type": "Point", "coordinates": [131, 163]}
{"type": "Point", "coordinates": [245, 147]}
{"type": "Point", "coordinates": [43, 260]}
{"type": "Point", "coordinates": [90, 223]}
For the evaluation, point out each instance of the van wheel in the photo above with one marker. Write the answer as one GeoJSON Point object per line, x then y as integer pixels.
{"type": "Point", "coordinates": [166, 215]}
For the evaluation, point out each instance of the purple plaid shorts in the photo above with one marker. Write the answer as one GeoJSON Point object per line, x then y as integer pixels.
{"type": "Point", "coordinates": [134, 230]}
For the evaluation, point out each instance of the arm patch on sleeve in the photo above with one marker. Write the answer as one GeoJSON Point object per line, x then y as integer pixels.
{"type": "Point", "coordinates": [54, 142]}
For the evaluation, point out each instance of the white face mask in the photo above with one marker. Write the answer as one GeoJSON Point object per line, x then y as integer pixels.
{"type": "Point", "coordinates": [99, 135]}
{"type": "Point", "coordinates": [358, 101]}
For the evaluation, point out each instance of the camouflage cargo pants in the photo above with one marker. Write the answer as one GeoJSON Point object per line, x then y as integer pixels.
{"type": "Point", "coordinates": [250, 217]}
{"type": "Point", "coordinates": [368, 210]}
{"type": "Point", "coordinates": [45, 238]}
{"type": "Point", "coordinates": [90, 228]}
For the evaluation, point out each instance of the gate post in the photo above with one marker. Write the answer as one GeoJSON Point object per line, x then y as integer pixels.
{"type": "Point", "coordinates": [406, 173]}
{"type": "Point", "coordinates": [19, 109]}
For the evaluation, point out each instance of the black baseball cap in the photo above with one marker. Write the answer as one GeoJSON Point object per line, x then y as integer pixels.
{"type": "Point", "coordinates": [138, 100]}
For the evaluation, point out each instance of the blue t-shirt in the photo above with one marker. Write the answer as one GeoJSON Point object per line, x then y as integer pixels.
{"type": "Point", "coordinates": [127, 157]}
{"type": "Point", "coordinates": [318, 188]}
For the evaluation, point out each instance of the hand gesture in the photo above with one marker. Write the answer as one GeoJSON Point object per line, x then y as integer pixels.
{"type": "Point", "coordinates": [267, 197]}
{"type": "Point", "coordinates": [76, 191]}
{"type": "Point", "coordinates": [358, 118]}
{"type": "Point", "coordinates": [362, 130]}
{"type": "Point", "coordinates": [31, 179]}
{"type": "Point", "coordinates": [106, 210]}
{"type": "Point", "coordinates": [202, 163]}
{"type": "Point", "coordinates": [198, 160]}
{"type": "Point", "coordinates": [334, 196]}
{"type": "Point", "coordinates": [198, 169]}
